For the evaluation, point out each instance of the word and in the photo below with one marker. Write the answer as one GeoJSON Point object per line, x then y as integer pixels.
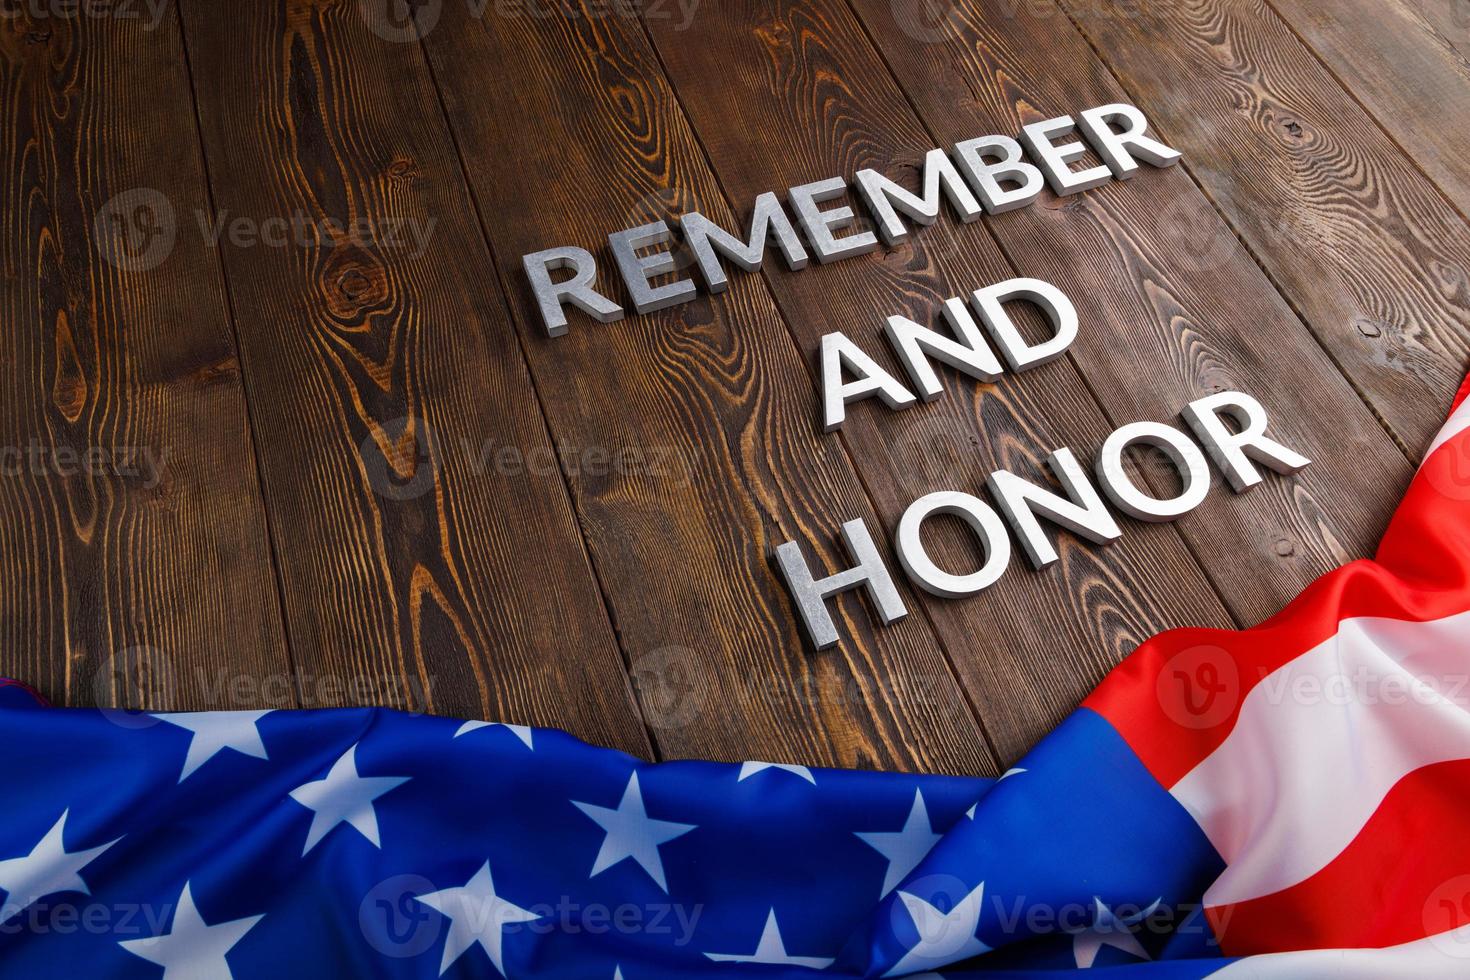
{"type": "Point", "coordinates": [965, 350]}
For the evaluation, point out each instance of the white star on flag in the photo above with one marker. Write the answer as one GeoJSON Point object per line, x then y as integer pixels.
{"type": "Point", "coordinates": [49, 868]}
{"type": "Point", "coordinates": [944, 937]}
{"type": "Point", "coordinates": [905, 848]}
{"type": "Point", "coordinates": [192, 950]}
{"type": "Point", "coordinates": [631, 833]}
{"type": "Point", "coordinates": [748, 769]}
{"type": "Point", "coordinates": [342, 796]}
{"type": "Point", "coordinates": [215, 731]}
{"type": "Point", "coordinates": [476, 914]}
{"type": "Point", "coordinates": [521, 731]}
{"type": "Point", "coordinates": [1108, 929]}
{"type": "Point", "coordinates": [772, 950]}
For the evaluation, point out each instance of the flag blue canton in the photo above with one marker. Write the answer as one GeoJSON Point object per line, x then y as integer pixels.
{"type": "Point", "coordinates": [373, 843]}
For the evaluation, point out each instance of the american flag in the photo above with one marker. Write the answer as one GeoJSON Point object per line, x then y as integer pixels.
{"type": "Point", "coordinates": [1289, 801]}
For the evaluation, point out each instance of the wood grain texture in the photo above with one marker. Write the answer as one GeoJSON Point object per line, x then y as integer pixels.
{"type": "Point", "coordinates": [1375, 260]}
{"type": "Point", "coordinates": [417, 561]}
{"type": "Point", "coordinates": [135, 564]}
{"type": "Point", "coordinates": [1172, 307]}
{"type": "Point", "coordinates": [1407, 75]}
{"type": "Point", "coordinates": [1450, 20]}
{"type": "Point", "coordinates": [802, 95]}
{"type": "Point", "coordinates": [588, 141]}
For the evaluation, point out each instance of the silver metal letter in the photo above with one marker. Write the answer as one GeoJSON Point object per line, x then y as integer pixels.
{"type": "Point", "coordinates": [638, 269]}
{"type": "Point", "coordinates": [989, 303]}
{"type": "Point", "coordinates": [1055, 160]}
{"type": "Point", "coordinates": [577, 290]}
{"type": "Point", "coordinates": [839, 354]}
{"type": "Point", "coordinates": [915, 344]}
{"type": "Point", "coordinates": [810, 593]}
{"type": "Point", "coordinates": [1183, 453]}
{"type": "Point", "coordinates": [1121, 150]}
{"type": "Point", "coordinates": [819, 225]}
{"type": "Point", "coordinates": [1082, 511]}
{"type": "Point", "coordinates": [1233, 452]}
{"type": "Point", "coordinates": [979, 517]}
{"type": "Point", "coordinates": [885, 198]}
{"type": "Point", "coordinates": [705, 239]}
{"type": "Point", "coordinates": [989, 160]}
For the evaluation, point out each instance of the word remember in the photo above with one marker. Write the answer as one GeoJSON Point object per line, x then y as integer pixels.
{"type": "Point", "coordinates": [987, 175]}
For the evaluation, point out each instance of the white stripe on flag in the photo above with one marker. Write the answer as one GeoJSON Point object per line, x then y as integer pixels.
{"type": "Point", "coordinates": [1442, 957]}
{"type": "Point", "coordinates": [1320, 742]}
{"type": "Point", "coordinates": [1458, 422]}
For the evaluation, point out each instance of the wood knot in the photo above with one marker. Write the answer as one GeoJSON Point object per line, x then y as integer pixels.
{"type": "Point", "coordinates": [774, 34]}
{"type": "Point", "coordinates": [218, 372]}
{"type": "Point", "coordinates": [1285, 547]}
{"type": "Point", "coordinates": [69, 388]}
{"type": "Point", "coordinates": [354, 281]}
{"type": "Point", "coordinates": [1372, 329]}
{"type": "Point", "coordinates": [403, 171]}
{"type": "Point", "coordinates": [1295, 132]}
{"type": "Point", "coordinates": [1070, 204]}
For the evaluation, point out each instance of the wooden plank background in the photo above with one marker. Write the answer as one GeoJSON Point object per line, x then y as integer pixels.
{"type": "Point", "coordinates": [324, 470]}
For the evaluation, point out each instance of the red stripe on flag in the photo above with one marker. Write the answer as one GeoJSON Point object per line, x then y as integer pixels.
{"type": "Point", "coordinates": [1405, 876]}
{"type": "Point", "coordinates": [1178, 696]}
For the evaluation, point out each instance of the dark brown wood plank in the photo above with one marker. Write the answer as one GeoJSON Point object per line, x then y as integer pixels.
{"type": "Point", "coordinates": [575, 135]}
{"type": "Point", "coordinates": [133, 546]}
{"type": "Point", "coordinates": [1172, 308]}
{"type": "Point", "coordinates": [1375, 260]}
{"type": "Point", "coordinates": [802, 95]}
{"type": "Point", "coordinates": [1413, 81]}
{"type": "Point", "coordinates": [387, 379]}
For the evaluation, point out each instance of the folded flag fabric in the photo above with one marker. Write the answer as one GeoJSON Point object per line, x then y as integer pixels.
{"type": "Point", "coordinates": [1289, 801]}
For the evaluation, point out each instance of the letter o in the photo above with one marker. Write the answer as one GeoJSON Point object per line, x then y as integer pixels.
{"type": "Point", "coordinates": [979, 517]}
{"type": "Point", "coordinates": [1186, 456]}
